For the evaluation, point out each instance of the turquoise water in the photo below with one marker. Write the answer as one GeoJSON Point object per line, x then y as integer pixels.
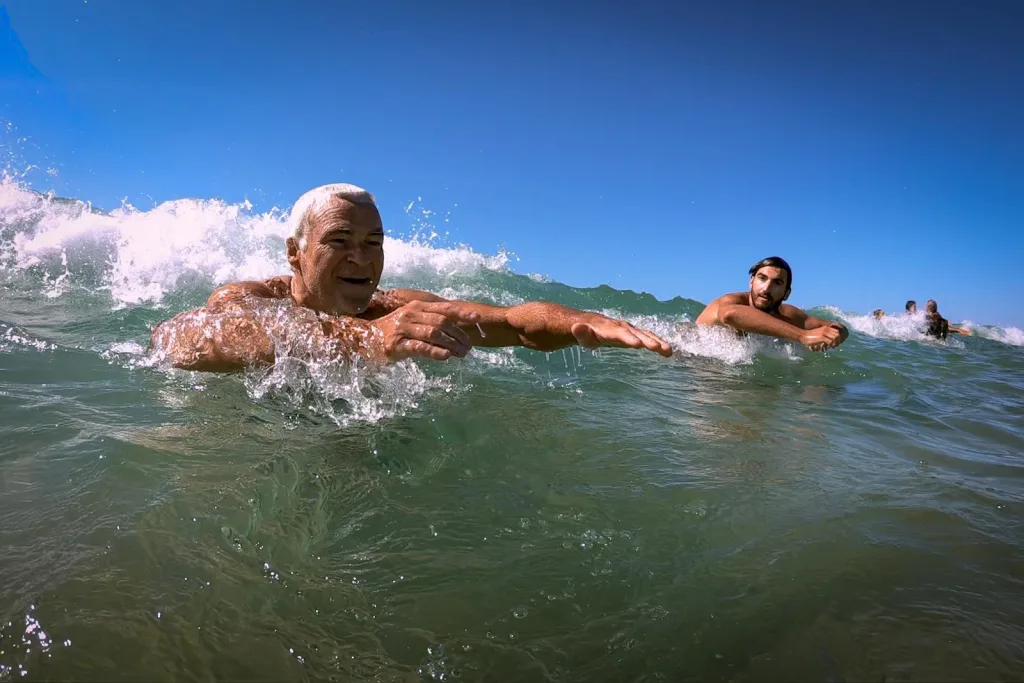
{"type": "Point", "coordinates": [741, 511]}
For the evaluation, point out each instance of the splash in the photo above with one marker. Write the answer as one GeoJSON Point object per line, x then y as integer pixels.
{"type": "Point", "coordinates": [900, 327]}
{"type": "Point", "coordinates": [717, 343]}
{"type": "Point", "coordinates": [179, 247]}
{"type": "Point", "coordinates": [1011, 336]}
{"type": "Point", "coordinates": [13, 338]}
{"type": "Point", "coordinates": [343, 392]}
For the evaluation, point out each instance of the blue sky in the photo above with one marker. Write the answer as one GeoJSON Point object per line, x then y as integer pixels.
{"type": "Point", "coordinates": [661, 147]}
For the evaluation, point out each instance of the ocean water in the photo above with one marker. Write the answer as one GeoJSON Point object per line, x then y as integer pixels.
{"type": "Point", "coordinates": [743, 511]}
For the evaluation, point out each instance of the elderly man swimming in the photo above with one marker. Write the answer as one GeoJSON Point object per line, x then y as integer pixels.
{"type": "Point", "coordinates": [331, 307]}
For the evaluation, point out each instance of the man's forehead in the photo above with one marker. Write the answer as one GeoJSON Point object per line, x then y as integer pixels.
{"type": "Point", "coordinates": [771, 271]}
{"type": "Point", "coordinates": [341, 213]}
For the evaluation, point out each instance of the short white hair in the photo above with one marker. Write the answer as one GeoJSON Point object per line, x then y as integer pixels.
{"type": "Point", "coordinates": [316, 198]}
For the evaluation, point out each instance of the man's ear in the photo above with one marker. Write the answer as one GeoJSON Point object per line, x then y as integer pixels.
{"type": "Point", "coordinates": [788, 292]}
{"type": "Point", "coordinates": [293, 254]}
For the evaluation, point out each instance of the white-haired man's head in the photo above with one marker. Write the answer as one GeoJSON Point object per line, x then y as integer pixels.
{"type": "Point", "coordinates": [336, 251]}
{"type": "Point", "coordinates": [311, 202]}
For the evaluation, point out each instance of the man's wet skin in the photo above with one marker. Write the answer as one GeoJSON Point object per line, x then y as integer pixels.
{"type": "Point", "coordinates": [331, 306]}
{"type": "Point", "coordinates": [761, 310]}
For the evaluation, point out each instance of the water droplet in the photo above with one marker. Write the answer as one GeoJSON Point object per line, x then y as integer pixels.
{"type": "Point", "coordinates": [520, 612]}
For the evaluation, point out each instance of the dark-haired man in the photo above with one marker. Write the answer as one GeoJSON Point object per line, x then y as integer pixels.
{"type": "Point", "coordinates": [761, 310]}
{"type": "Point", "coordinates": [911, 307]}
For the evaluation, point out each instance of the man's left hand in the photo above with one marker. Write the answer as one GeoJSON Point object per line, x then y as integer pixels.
{"type": "Point", "coordinates": [595, 330]}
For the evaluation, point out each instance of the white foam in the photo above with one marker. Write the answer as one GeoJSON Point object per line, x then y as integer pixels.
{"type": "Point", "coordinates": [142, 256]}
{"type": "Point", "coordinates": [128, 348]}
{"type": "Point", "coordinates": [900, 326]}
{"type": "Point", "coordinates": [718, 343]}
{"type": "Point", "coordinates": [1007, 335]}
{"type": "Point", "coordinates": [11, 337]}
{"type": "Point", "coordinates": [342, 392]}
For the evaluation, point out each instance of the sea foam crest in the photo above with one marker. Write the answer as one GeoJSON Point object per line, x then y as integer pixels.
{"type": "Point", "coordinates": [715, 342]}
{"type": "Point", "coordinates": [142, 256]}
{"type": "Point", "coordinates": [1012, 336]}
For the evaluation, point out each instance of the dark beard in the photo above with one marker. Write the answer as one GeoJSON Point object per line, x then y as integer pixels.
{"type": "Point", "coordinates": [770, 308]}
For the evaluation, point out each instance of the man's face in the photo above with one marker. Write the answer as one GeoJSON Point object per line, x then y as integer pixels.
{"type": "Point", "coordinates": [768, 289]}
{"type": "Point", "coordinates": [343, 257]}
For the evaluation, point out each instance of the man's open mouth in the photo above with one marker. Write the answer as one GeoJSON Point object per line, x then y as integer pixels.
{"type": "Point", "coordinates": [356, 280]}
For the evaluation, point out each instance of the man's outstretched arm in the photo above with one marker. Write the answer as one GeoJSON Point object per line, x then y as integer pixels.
{"type": "Point", "coordinates": [749, 319]}
{"type": "Point", "coordinates": [809, 322]}
{"type": "Point", "coordinates": [744, 318]}
{"type": "Point", "coordinates": [539, 325]}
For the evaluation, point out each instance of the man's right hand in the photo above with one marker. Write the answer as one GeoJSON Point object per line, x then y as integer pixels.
{"type": "Point", "coordinates": [822, 338]}
{"type": "Point", "coordinates": [426, 330]}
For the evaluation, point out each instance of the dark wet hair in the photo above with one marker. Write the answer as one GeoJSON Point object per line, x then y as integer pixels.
{"type": "Point", "coordinates": [938, 326]}
{"type": "Point", "coordinates": [774, 262]}
{"type": "Point", "coordinates": [931, 306]}
{"type": "Point", "coordinates": [911, 303]}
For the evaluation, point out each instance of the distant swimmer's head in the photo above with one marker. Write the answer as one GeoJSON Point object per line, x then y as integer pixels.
{"type": "Point", "coordinates": [337, 248]}
{"type": "Point", "coordinates": [771, 282]}
{"type": "Point", "coordinates": [878, 313]}
{"type": "Point", "coordinates": [911, 306]}
{"type": "Point", "coordinates": [931, 307]}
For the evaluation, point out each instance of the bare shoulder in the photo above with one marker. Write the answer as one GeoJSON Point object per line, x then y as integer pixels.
{"type": "Point", "coordinates": [386, 301]}
{"type": "Point", "coordinates": [235, 293]}
{"type": "Point", "coordinates": [709, 316]}
{"type": "Point", "coordinates": [792, 312]}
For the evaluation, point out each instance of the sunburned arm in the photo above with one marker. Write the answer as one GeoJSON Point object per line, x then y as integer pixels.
{"type": "Point", "coordinates": [537, 325]}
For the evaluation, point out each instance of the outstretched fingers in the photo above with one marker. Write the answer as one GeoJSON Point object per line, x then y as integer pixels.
{"type": "Point", "coordinates": [620, 335]}
{"type": "Point", "coordinates": [654, 342]}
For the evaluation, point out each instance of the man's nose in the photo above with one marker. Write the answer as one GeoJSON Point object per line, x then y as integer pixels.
{"type": "Point", "coordinates": [360, 256]}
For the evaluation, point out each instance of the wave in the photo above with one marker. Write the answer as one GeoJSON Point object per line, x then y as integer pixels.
{"type": "Point", "coordinates": [173, 254]}
{"type": "Point", "coordinates": [907, 327]}
{"type": "Point", "coordinates": [140, 257]}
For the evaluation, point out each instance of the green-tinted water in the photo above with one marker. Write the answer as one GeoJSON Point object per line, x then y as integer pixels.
{"type": "Point", "coordinates": [742, 511]}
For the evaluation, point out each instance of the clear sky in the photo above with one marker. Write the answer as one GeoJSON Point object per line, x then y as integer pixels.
{"type": "Point", "coordinates": [661, 147]}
